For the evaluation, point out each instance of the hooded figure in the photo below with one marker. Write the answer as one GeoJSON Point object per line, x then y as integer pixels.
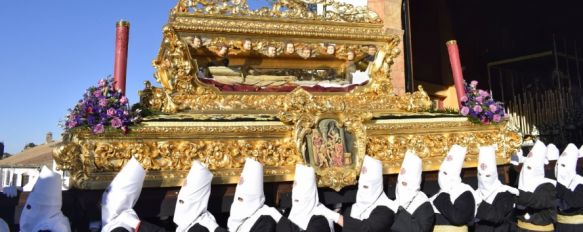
{"type": "Point", "coordinates": [118, 200]}
{"type": "Point", "coordinates": [307, 213]}
{"type": "Point", "coordinates": [191, 212]}
{"type": "Point", "coordinates": [550, 160]}
{"type": "Point", "coordinates": [42, 211]}
{"type": "Point", "coordinates": [536, 200]}
{"type": "Point", "coordinates": [455, 203]}
{"type": "Point", "coordinates": [569, 191]}
{"type": "Point", "coordinates": [552, 153]}
{"type": "Point", "coordinates": [495, 211]}
{"type": "Point", "coordinates": [373, 210]}
{"type": "Point", "coordinates": [248, 212]}
{"type": "Point", "coordinates": [415, 212]}
{"type": "Point", "coordinates": [121, 196]}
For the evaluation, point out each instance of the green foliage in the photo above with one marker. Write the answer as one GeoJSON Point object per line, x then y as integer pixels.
{"type": "Point", "coordinates": [143, 111]}
{"type": "Point", "coordinates": [445, 111]}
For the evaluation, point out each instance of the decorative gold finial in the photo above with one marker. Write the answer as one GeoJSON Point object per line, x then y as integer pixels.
{"type": "Point", "coordinates": [122, 23]}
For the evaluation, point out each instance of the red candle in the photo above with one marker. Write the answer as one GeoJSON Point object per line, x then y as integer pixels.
{"type": "Point", "coordinates": [456, 69]}
{"type": "Point", "coordinates": [121, 55]}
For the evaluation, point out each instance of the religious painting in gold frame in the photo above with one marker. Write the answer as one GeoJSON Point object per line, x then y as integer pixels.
{"type": "Point", "coordinates": [329, 145]}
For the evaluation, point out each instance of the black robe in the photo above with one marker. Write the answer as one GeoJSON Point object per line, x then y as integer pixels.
{"type": "Point", "coordinates": [458, 213]}
{"type": "Point", "coordinates": [144, 227]}
{"type": "Point", "coordinates": [148, 227]}
{"type": "Point", "coordinates": [199, 228]}
{"type": "Point", "coordinates": [264, 223]}
{"type": "Point", "coordinates": [540, 205]}
{"type": "Point", "coordinates": [571, 203]}
{"type": "Point", "coordinates": [420, 221]}
{"type": "Point", "coordinates": [380, 220]}
{"type": "Point", "coordinates": [317, 224]}
{"type": "Point", "coordinates": [496, 217]}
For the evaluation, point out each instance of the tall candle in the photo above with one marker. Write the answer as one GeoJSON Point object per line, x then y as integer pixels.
{"type": "Point", "coordinates": [456, 69]}
{"type": "Point", "coordinates": [122, 32]}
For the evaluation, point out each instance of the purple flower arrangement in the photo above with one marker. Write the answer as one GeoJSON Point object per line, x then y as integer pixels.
{"type": "Point", "coordinates": [100, 108]}
{"type": "Point", "coordinates": [479, 105]}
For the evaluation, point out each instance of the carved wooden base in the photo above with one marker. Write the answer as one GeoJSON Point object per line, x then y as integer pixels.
{"type": "Point", "coordinates": [166, 148]}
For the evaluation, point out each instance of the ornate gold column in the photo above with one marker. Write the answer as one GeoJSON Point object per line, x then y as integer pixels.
{"type": "Point", "coordinates": [390, 13]}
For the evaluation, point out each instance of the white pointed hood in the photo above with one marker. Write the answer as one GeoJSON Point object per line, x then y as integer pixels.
{"type": "Point", "coordinates": [43, 206]}
{"type": "Point", "coordinates": [533, 170]}
{"type": "Point", "coordinates": [122, 193]}
{"type": "Point", "coordinates": [449, 178]}
{"type": "Point", "coordinates": [552, 153]}
{"type": "Point", "coordinates": [451, 168]}
{"type": "Point", "coordinates": [193, 197]}
{"type": "Point", "coordinates": [249, 196]}
{"type": "Point", "coordinates": [489, 184]}
{"type": "Point", "coordinates": [566, 168]}
{"type": "Point", "coordinates": [408, 190]}
{"type": "Point", "coordinates": [370, 190]}
{"type": "Point", "coordinates": [581, 151]}
{"type": "Point", "coordinates": [304, 196]}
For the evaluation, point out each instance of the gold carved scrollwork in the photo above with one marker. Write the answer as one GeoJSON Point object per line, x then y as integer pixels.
{"type": "Point", "coordinates": [67, 156]}
{"type": "Point", "coordinates": [337, 178]}
{"type": "Point", "coordinates": [292, 9]}
{"type": "Point", "coordinates": [174, 71]}
{"type": "Point", "coordinates": [354, 122]}
{"type": "Point", "coordinates": [212, 7]}
{"type": "Point", "coordinates": [431, 141]}
{"type": "Point", "coordinates": [512, 138]}
{"type": "Point", "coordinates": [92, 157]}
{"type": "Point", "coordinates": [381, 66]}
{"type": "Point", "coordinates": [176, 155]}
{"type": "Point", "coordinates": [301, 111]}
{"type": "Point", "coordinates": [283, 28]}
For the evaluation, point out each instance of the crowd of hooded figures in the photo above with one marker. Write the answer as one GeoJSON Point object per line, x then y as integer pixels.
{"type": "Point", "coordinates": [538, 204]}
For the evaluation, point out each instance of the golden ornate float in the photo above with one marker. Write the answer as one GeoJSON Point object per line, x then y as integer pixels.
{"type": "Point", "coordinates": [283, 85]}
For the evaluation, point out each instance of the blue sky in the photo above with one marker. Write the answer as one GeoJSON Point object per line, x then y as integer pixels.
{"type": "Point", "coordinates": [51, 51]}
